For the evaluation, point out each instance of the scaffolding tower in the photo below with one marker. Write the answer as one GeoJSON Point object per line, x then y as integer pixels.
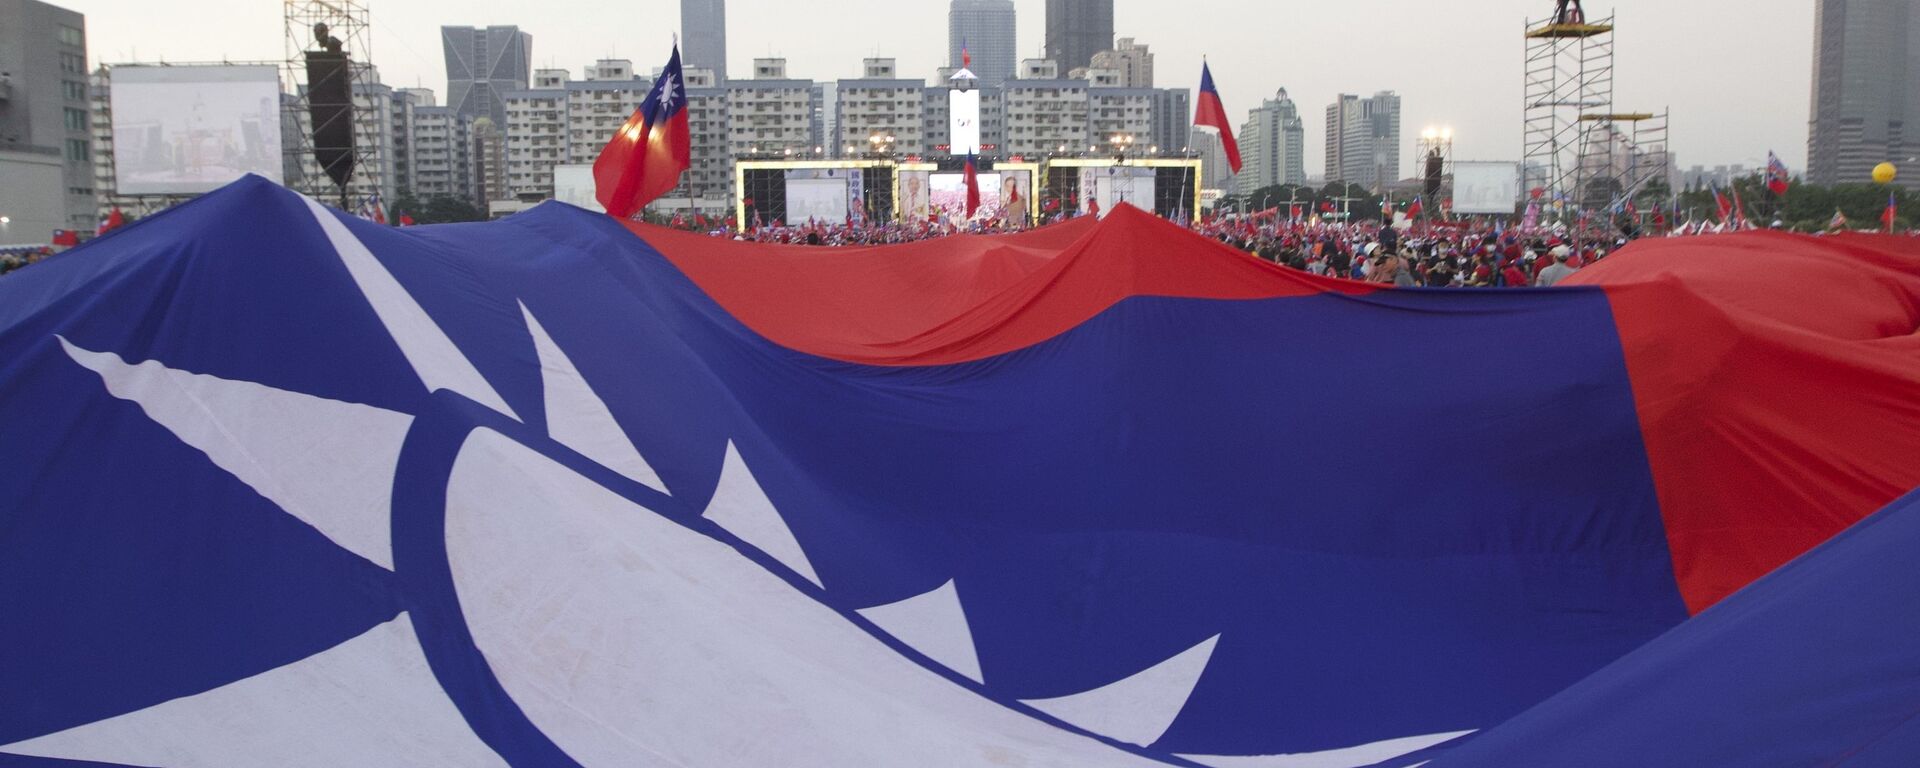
{"type": "Point", "coordinates": [350, 21]}
{"type": "Point", "coordinates": [1569, 75]}
{"type": "Point", "coordinates": [1622, 155]}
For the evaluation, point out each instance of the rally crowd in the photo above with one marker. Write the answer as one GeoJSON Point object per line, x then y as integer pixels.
{"type": "Point", "coordinates": [13, 259]}
{"type": "Point", "coordinates": [1434, 256]}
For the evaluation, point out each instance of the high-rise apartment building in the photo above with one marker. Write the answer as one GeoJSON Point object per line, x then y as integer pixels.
{"type": "Point", "coordinates": [1273, 145]}
{"type": "Point", "coordinates": [881, 112]}
{"type": "Point", "coordinates": [482, 64]}
{"type": "Point", "coordinates": [536, 136]}
{"type": "Point", "coordinates": [1363, 140]}
{"type": "Point", "coordinates": [1866, 89]}
{"type": "Point", "coordinates": [703, 36]}
{"type": "Point", "coordinates": [1132, 60]}
{"type": "Point", "coordinates": [986, 29]}
{"type": "Point", "coordinates": [770, 115]}
{"type": "Point", "coordinates": [1078, 29]}
{"type": "Point", "coordinates": [1044, 112]}
{"type": "Point", "coordinates": [46, 148]}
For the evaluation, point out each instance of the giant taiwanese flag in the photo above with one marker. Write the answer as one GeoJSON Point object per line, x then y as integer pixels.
{"type": "Point", "coordinates": [288, 488]}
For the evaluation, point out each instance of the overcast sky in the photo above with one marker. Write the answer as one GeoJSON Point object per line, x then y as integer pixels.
{"type": "Point", "coordinates": [1735, 72]}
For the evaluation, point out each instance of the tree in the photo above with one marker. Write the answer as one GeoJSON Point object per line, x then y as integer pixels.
{"type": "Point", "coordinates": [436, 209]}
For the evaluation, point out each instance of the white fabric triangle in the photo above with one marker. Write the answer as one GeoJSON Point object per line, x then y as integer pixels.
{"type": "Point", "coordinates": [439, 363]}
{"type": "Point", "coordinates": [1350, 757]}
{"type": "Point", "coordinates": [933, 624]}
{"type": "Point", "coordinates": [1140, 708]}
{"type": "Point", "coordinates": [579, 419]}
{"type": "Point", "coordinates": [329, 463]}
{"type": "Point", "coordinates": [743, 509]}
{"type": "Point", "coordinates": [368, 701]}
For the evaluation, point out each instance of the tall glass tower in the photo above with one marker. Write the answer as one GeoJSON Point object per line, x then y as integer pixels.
{"type": "Point", "coordinates": [482, 64]}
{"type": "Point", "coordinates": [703, 36]}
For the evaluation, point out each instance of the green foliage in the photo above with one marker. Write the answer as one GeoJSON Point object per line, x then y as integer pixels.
{"type": "Point", "coordinates": [1365, 207]}
{"type": "Point", "coordinates": [1808, 207]}
{"type": "Point", "coordinates": [436, 209]}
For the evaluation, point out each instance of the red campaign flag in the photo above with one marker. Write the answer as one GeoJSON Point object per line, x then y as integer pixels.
{"type": "Point", "coordinates": [114, 221]}
{"type": "Point", "coordinates": [1210, 112]}
{"type": "Point", "coordinates": [973, 186]}
{"type": "Point", "coordinates": [645, 158]}
{"type": "Point", "coordinates": [1725, 208]}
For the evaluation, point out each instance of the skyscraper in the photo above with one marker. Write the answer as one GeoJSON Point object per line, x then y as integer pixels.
{"type": "Point", "coordinates": [1078, 29]}
{"type": "Point", "coordinates": [703, 36]}
{"type": "Point", "coordinates": [1866, 89]}
{"type": "Point", "coordinates": [986, 28]}
{"type": "Point", "coordinates": [46, 153]}
{"type": "Point", "coordinates": [1363, 140]}
{"type": "Point", "coordinates": [482, 64]}
{"type": "Point", "coordinates": [1274, 144]}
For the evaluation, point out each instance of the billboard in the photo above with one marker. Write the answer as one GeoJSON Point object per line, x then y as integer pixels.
{"type": "Point", "coordinates": [1486, 187]}
{"type": "Point", "coordinates": [191, 129]}
{"type": "Point", "coordinates": [963, 109]}
{"type": "Point", "coordinates": [573, 184]}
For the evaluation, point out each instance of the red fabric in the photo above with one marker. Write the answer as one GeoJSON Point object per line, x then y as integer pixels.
{"type": "Point", "coordinates": [642, 162]}
{"type": "Point", "coordinates": [967, 297]}
{"type": "Point", "coordinates": [1760, 364]}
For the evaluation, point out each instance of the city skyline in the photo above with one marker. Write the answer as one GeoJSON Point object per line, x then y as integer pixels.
{"type": "Point", "coordinates": [1315, 53]}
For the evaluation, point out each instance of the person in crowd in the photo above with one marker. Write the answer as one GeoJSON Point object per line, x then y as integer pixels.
{"type": "Point", "coordinates": [1557, 271]}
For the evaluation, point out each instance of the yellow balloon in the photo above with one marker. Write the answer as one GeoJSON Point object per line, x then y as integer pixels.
{"type": "Point", "coordinates": [1884, 173]}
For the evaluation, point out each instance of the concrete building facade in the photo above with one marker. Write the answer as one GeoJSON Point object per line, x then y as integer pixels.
{"type": "Point", "coordinates": [46, 128]}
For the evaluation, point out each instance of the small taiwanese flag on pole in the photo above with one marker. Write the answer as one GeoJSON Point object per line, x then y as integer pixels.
{"type": "Point", "coordinates": [1210, 112]}
{"type": "Point", "coordinates": [645, 158]}
{"type": "Point", "coordinates": [1892, 214]}
{"type": "Point", "coordinates": [973, 186]}
{"type": "Point", "coordinates": [1778, 179]}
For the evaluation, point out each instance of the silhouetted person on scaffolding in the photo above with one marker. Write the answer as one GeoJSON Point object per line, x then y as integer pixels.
{"type": "Point", "coordinates": [1568, 12]}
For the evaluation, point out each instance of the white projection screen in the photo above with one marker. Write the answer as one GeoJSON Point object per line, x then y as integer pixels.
{"type": "Point", "coordinates": [573, 184]}
{"type": "Point", "coordinates": [1113, 185]}
{"type": "Point", "coordinates": [823, 195]}
{"type": "Point", "coordinates": [191, 129]}
{"type": "Point", "coordinates": [1492, 188]}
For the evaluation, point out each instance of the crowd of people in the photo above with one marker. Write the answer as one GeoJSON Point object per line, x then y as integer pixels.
{"type": "Point", "coordinates": [1435, 255]}
{"type": "Point", "coordinates": [13, 259]}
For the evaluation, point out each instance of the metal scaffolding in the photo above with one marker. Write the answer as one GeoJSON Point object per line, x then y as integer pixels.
{"type": "Point", "coordinates": [1622, 155]}
{"type": "Point", "coordinates": [1569, 75]}
{"type": "Point", "coordinates": [350, 22]}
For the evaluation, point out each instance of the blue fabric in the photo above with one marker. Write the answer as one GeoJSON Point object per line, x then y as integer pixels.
{"type": "Point", "coordinates": [1815, 664]}
{"type": "Point", "coordinates": [1476, 532]}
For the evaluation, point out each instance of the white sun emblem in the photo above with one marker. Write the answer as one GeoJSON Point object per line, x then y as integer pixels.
{"type": "Point", "coordinates": [668, 91]}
